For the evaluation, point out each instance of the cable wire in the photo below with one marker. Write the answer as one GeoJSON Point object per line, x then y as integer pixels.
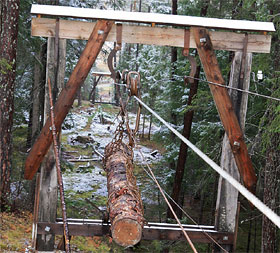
{"type": "Point", "coordinates": [248, 195]}
{"type": "Point", "coordinates": [170, 207]}
{"type": "Point", "coordinates": [210, 237]}
{"type": "Point", "coordinates": [233, 88]}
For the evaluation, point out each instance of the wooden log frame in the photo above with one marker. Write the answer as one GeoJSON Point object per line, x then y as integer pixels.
{"type": "Point", "coordinates": [124, 201]}
{"type": "Point", "coordinates": [151, 231]}
{"type": "Point", "coordinates": [160, 36]}
{"type": "Point", "coordinates": [225, 108]}
{"type": "Point", "coordinates": [67, 96]}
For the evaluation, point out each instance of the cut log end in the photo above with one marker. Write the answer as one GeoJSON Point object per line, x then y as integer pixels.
{"type": "Point", "coordinates": [127, 232]}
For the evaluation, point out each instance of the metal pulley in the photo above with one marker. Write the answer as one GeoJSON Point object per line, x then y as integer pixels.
{"type": "Point", "coordinates": [133, 83]}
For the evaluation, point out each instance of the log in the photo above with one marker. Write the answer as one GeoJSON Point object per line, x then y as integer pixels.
{"type": "Point", "coordinates": [67, 96]}
{"type": "Point", "coordinates": [124, 201]}
{"type": "Point", "coordinates": [225, 107]}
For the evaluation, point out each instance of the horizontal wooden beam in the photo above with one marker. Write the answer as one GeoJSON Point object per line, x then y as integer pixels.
{"type": "Point", "coordinates": [161, 36]}
{"type": "Point", "coordinates": [96, 73]}
{"type": "Point", "coordinates": [144, 17]}
{"type": "Point", "coordinates": [151, 231]}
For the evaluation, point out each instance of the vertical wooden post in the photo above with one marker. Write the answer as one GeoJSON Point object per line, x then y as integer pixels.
{"type": "Point", "coordinates": [48, 179]}
{"type": "Point", "coordinates": [226, 205]}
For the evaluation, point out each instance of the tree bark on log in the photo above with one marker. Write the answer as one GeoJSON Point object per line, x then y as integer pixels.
{"type": "Point", "coordinates": [124, 200]}
{"type": "Point", "coordinates": [9, 17]}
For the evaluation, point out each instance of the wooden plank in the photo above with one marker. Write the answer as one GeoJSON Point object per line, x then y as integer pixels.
{"type": "Point", "coordinates": [67, 96]}
{"type": "Point", "coordinates": [101, 73]}
{"type": "Point", "coordinates": [149, 233]}
{"type": "Point", "coordinates": [161, 36]}
{"type": "Point", "coordinates": [225, 108]}
{"type": "Point", "coordinates": [142, 17]}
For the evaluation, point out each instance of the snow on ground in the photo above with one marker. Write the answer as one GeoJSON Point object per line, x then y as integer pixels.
{"type": "Point", "coordinates": [89, 177]}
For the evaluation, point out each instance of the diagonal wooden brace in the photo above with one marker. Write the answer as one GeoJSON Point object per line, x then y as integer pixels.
{"type": "Point", "coordinates": [67, 96]}
{"type": "Point", "coordinates": [224, 106]}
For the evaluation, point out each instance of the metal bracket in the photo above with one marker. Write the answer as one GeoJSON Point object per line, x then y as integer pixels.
{"type": "Point", "coordinates": [187, 35]}
{"type": "Point", "coordinates": [115, 50]}
{"type": "Point", "coordinates": [245, 46]}
{"type": "Point", "coordinates": [186, 51]}
{"type": "Point", "coordinates": [119, 36]}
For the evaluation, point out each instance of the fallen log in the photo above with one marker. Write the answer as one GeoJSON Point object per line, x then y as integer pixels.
{"type": "Point", "coordinates": [124, 201]}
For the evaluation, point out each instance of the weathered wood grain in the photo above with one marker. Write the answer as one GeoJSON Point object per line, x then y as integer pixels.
{"type": "Point", "coordinates": [225, 108]}
{"type": "Point", "coordinates": [67, 96]}
{"type": "Point", "coordinates": [161, 36]}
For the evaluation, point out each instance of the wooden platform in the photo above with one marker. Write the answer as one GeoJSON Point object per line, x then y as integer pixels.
{"type": "Point", "coordinates": [151, 231]}
{"type": "Point", "coordinates": [161, 36]}
{"type": "Point", "coordinates": [142, 17]}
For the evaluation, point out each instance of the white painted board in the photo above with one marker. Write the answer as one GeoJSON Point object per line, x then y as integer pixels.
{"type": "Point", "coordinates": [143, 17]}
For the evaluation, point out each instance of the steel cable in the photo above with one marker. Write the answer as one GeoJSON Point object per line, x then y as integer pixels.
{"type": "Point", "coordinates": [247, 194]}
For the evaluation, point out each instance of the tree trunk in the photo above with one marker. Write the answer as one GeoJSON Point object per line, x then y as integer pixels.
{"type": "Point", "coordinates": [271, 177]}
{"type": "Point", "coordinates": [188, 116]}
{"type": "Point", "coordinates": [124, 200]}
{"type": "Point", "coordinates": [8, 46]}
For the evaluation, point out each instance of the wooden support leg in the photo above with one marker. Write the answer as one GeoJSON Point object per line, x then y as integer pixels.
{"type": "Point", "coordinates": [225, 107]}
{"type": "Point", "coordinates": [67, 96]}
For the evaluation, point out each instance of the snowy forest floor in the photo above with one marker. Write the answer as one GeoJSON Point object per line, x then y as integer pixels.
{"type": "Point", "coordinates": [86, 129]}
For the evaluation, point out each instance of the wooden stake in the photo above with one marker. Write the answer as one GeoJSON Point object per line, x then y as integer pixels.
{"type": "Point", "coordinates": [67, 96]}
{"type": "Point", "coordinates": [59, 175]}
{"type": "Point", "coordinates": [224, 107]}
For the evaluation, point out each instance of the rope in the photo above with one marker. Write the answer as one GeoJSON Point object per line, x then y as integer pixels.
{"type": "Point", "coordinates": [170, 207]}
{"type": "Point", "coordinates": [248, 195]}
{"type": "Point", "coordinates": [233, 88]}
{"type": "Point", "coordinates": [210, 237]}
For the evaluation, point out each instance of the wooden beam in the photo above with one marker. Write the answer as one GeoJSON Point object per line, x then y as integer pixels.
{"type": "Point", "coordinates": [144, 17]}
{"type": "Point", "coordinates": [225, 108]}
{"type": "Point", "coordinates": [67, 96]}
{"type": "Point", "coordinates": [161, 36]}
{"type": "Point", "coordinates": [101, 73]}
{"type": "Point", "coordinates": [150, 231]}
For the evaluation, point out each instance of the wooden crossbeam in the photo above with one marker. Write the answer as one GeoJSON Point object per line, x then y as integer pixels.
{"type": "Point", "coordinates": [151, 231]}
{"type": "Point", "coordinates": [142, 17]}
{"type": "Point", "coordinates": [67, 96]}
{"type": "Point", "coordinates": [225, 108]}
{"type": "Point", "coordinates": [161, 36]}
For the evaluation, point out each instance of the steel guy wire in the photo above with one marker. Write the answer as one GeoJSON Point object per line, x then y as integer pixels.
{"type": "Point", "coordinates": [187, 215]}
{"type": "Point", "coordinates": [271, 215]}
{"type": "Point", "coordinates": [221, 85]}
{"type": "Point", "coordinates": [171, 209]}
{"type": "Point", "coordinates": [233, 88]}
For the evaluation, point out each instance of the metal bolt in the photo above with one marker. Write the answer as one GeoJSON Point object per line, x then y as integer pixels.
{"type": "Point", "coordinates": [100, 32]}
{"type": "Point", "coordinates": [236, 143]}
{"type": "Point", "coordinates": [202, 40]}
{"type": "Point", "coordinates": [47, 229]}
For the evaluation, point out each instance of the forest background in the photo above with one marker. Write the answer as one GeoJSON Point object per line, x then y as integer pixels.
{"type": "Point", "coordinates": [162, 70]}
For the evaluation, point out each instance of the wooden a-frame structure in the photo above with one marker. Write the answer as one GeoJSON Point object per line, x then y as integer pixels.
{"type": "Point", "coordinates": [156, 29]}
